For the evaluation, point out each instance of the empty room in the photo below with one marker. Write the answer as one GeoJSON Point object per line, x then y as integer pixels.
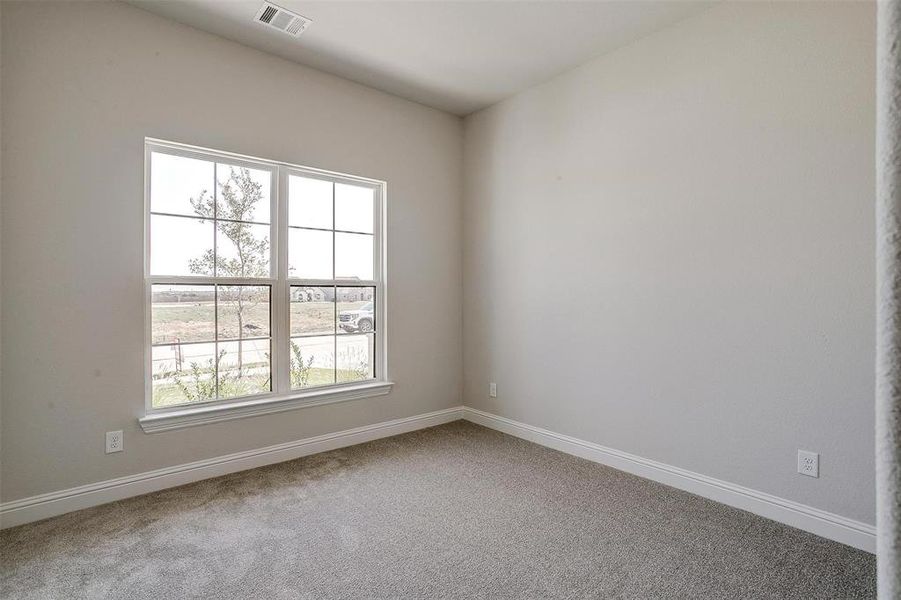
{"type": "Point", "coordinates": [450, 299]}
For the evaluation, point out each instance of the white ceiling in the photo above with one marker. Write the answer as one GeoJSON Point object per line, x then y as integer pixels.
{"type": "Point", "coordinates": [456, 56]}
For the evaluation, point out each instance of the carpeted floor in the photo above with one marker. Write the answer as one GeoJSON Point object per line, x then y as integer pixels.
{"type": "Point", "coordinates": [456, 511]}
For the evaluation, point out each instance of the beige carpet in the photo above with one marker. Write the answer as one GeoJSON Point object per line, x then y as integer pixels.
{"type": "Point", "coordinates": [456, 511]}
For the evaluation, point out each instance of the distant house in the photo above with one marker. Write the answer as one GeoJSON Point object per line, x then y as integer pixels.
{"type": "Point", "coordinates": [311, 294]}
{"type": "Point", "coordinates": [327, 294]}
{"type": "Point", "coordinates": [355, 294]}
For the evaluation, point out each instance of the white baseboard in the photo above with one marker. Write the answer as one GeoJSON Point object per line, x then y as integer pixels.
{"type": "Point", "coordinates": [828, 525]}
{"type": "Point", "coordinates": [43, 506]}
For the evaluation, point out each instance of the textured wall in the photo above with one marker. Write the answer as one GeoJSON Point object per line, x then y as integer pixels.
{"type": "Point", "coordinates": [669, 250]}
{"type": "Point", "coordinates": [888, 274]}
{"type": "Point", "coordinates": [83, 83]}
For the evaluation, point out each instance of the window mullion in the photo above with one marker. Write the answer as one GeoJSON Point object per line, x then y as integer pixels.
{"type": "Point", "coordinates": [379, 366]}
{"type": "Point", "coordinates": [334, 296]}
{"type": "Point", "coordinates": [215, 274]}
{"type": "Point", "coordinates": [207, 280]}
{"type": "Point", "coordinates": [281, 291]}
{"type": "Point", "coordinates": [215, 214]}
{"type": "Point", "coordinates": [216, 333]}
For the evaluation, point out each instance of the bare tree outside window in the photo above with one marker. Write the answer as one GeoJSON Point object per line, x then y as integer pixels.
{"type": "Point", "coordinates": [234, 209]}
{"type": "Point", "coordinates": [232, 212]}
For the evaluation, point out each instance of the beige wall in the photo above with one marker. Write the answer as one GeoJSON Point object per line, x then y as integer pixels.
{"type": "Point", "coordinates": [82, 85]}
{"type": "Point", "coordinates": [669, 250]}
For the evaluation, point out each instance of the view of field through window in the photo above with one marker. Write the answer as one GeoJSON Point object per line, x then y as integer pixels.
{"type": "Point", "coordinates": [214, 339]}
{"type": "Point", "coordinates": [332, 334]}
{"type": "Point", "coordinates": [210, 341]}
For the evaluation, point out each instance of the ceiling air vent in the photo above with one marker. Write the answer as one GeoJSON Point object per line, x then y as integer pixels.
{"type": "Point", "coordinates": [284, 20]}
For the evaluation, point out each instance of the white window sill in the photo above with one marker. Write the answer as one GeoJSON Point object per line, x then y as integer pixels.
{"type": "Point", "coordinates": [165, 420]}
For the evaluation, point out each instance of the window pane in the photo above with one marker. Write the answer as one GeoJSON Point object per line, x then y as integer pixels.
{"type": "Point", "coordinates": [355, 357]}
{"type": "Point", "coordinates": [312, 361]}
{"type": "Point", "coordinates": [242, 249]}
{"type": "Point", "coordinates": [309, 254]}
{"type": "Point", "coordinates": [353, 256]}
{"type": "Point", "coordinates": [244, 368]}
{"type": "Point", "coordinates": [182, 313]}
{"type": "Point", "coordinates": [180, 246]}
{"type": "Point", "coordinates": [309, 202]}
{"type": "Point", "coordinates": [244, 194]}
{"type": "Point", "coordinates": [183, 374]}
{"type": "Point", "coordinates": [312, 310]}
{"type": "Point", "coordinates": [356, 309]}
{"type": "Point", "coordinates": [175, 181]}
{"type": "Point", "coordinates": [353, 208]}
{"type": "Point", "coordinates": [243, 311]}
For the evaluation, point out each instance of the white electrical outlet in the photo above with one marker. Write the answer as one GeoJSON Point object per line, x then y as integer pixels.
{"type": "Point", "coordinates": [808, 463]}
{"type": "Point", "coordinates": [114, 442]}
{"type": "Point", "coordinates": [492, 390]}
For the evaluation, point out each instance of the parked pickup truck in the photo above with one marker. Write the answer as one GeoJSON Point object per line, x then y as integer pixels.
{"type": "Point", "coordinates": [357, 320]}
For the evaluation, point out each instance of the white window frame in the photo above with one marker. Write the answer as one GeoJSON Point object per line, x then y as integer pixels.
{"type": "Point", "coordinates": [282, 397]}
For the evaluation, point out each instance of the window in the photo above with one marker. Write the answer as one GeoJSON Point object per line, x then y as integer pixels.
{"type": "Point", "coordinates": [264, 280]}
